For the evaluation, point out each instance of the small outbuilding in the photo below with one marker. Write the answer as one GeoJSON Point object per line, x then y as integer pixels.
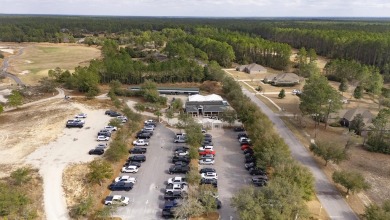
{"type": "Point", "coordinates": [252, 68]}
{"type": "Point", "coordinates": [283, 79]}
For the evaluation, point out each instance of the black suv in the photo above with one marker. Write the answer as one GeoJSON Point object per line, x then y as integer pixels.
{"type": "Point", "coordinates": [118, 186]}
{"type": "Point", "coordinates": [250, 159]}
{"type": "Point", "coordinates": [184, 148]}
{"type": "Point", "coordinates": [207, 170]}
{"type": "Point", "coordinates": [173, 195]}
{"type": "Point", "coordinates": [73, 124]}
{"type": "Point", "coordinates": [143, 136]}
{"type": "Point", "coordinates": [104, 133]}
{"type": "Point", "coordinates": [138, 150]}
{"type": "Point", "coordinates": [212, 182]}
{"type": "Point", "coordinates": [137, 158]}
{"type": "Point", "coordinates": [112, 113]}
{"type": "Point", "coordinates": [97, 151]}
{"type": "Point", "coordinates": [240, 135]}
{"type": "Point", "coordinates": [259, 181]}
{"type": "Point", "coordinates": [256, 171]}
{"type": "Point", "coordinates": [239, 129]}
{"type": "Point", "coordinates": [178, 169]}
{"type": "Point", "coordinates": [185, 159]}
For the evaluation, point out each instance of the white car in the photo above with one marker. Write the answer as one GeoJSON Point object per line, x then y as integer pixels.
{"type": "Point", "coordinates": [181, 153]}
{"type": "Point", "coordinates": [149, 121]}
{"type": "Point", "coordinates": [116, 200]}
{"type": "Point", "coordinates": [102, 138]}
{"type": "Point", "coordinates": [206, 161]}
{"type": "Point", "coordinates": [177, 180]}
{"type": "Point", "coordinates": [81, 115]}
{"type": "Point", "coordinates": [102, 145]}
{"type": "Point", "coordinates": [242, 139]}
{"type": "Point", "coordinates": [207, 147]}
{"type": "Point", "coordinates": [79, 121]}
{"type": "Point", "coordinates": [110, 128]}
{"type": "Point", "coordinates": [209, 175]}
{"type": "Point", "coordinates": [122, 118]}
{"type": "Point", "coordinates": [126, 179]}
{"type": "Point", "coordinates": [296, 92]}
{"type": "Point", "coordinates": [130, 169]}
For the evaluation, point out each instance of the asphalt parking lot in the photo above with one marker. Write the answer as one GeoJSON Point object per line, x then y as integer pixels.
{"type": "Point", "coordinates": [146, 197]}
{"type": "Point", "coordinates": [229, 164]}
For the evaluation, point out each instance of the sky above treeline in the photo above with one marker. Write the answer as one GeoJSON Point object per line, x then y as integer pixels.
{"type": "Point", "coordinates": [202, 8]}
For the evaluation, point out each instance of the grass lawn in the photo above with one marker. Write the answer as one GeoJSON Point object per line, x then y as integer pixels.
{"type": "Point", "coordinates": [37, 59]}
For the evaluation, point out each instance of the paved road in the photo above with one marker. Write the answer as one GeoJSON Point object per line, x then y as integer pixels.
{"type": "Point", "coordinates": [146, 198]}
{"type": "Point", "coordinates": [4, 68]}
{"type": "Point", "coordinates": [330, 198]}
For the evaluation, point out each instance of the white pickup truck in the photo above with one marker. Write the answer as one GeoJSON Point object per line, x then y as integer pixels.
{"type": "Point", "coordinates": [176, 187]}
{"type": "Point", "coordinates": [141, 142]}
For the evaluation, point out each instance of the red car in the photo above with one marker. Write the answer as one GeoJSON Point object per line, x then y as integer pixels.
{"type": "Point", "coordinates": [207, 152]}
{"type": "Point", "coordinates": [245, 146]}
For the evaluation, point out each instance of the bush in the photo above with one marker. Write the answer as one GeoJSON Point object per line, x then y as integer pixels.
{"type": "Point", "coordinates": [81, 209]}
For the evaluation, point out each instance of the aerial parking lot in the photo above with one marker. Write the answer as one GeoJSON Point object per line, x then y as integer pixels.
{"type": "Point", "coordinates": [146, 198]}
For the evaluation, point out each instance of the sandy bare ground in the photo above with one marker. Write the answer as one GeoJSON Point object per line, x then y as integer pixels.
{"type": "Point", "coordinates": [35, 135]}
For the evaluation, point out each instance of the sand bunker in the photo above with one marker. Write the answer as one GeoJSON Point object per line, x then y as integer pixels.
{"type": "Point", "coordinates": [24, 72]}
{"type": "Point", "coordinates": [4, 49]}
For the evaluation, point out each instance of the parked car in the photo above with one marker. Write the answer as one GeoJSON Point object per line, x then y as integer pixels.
{"type": "Point", "coordinates": [102, 133]}
{"type": "Point", "coordinates": [145, 132]}
{"type": "Point", "coordinates": [102, 145]}
{"type": "Point", "coordinates": [121, 186]}
{"type": "Point", "coordinates": [106, 130]}
{"type": "Point", "coordinates": [109, 112]}
{"type": "Point", "coordinates": [249, 160]}
{"type": "Point", "coordinates": [250, 165]}
{"type": "Point", "coordinates": [241, 135]}
{"type": "Point", "coordinates": [173, 195]}
{"type": "Point", "coordinates": [150, 121]}
{"type": "Point", "coordinates": [114, 114]}
{"type": "Point", "coordinates": [178, 169]}
{"type": "Point", "coordinates": [206, 161]}
{"type": "Point", "coordinates": [207, 170]}
{"type": "Point", "coordinates": [207, 156]}
{"type": "Point", "coordinates": [181, 163]}
{"type": "Point", "coordinates": [170, 204]}
{"type": "Point", "coordinates": [81, 115]}
{"type": "Point", "coordinates": [143, 136]}
{"type": "Point", "coordinates": [116, 200]}
{"type": "Point", "coordinates": [122, 118]}
{"type": "Point", "coordinates": [177, 180]}
{"type": "Point", "coordinates": [181, 153]}
{"type": "Point", "coordinates": [96, 151]}
{"type": "Point", "coordinates": [167, 213]}
{"type": "Point", "coordinates": [182, 148]}
{"type": "Point", "coordinates": [206, 152]}
{"type": "Point", "coordinates": [208, 139]}
{"type": "Point", "coordinates": [244, 139]}
{"type": "Point", "coordinates": [248, 151]}
{"type": "Point", "coordinates": [259, 182]}
{"type": "Point", "coordinates": [129, 169]}
{"type": "Point", "coordinates": [212, 182]}
{"type": "Point", "coordinates": [256, 171]}
{"type": "Point", "coordinates": [207, 135]}
{"type": "Point", "coordinates": [245, 147]}
{"type": "Point", "coordinates": [102, 138]}
{"type": "Point", "coordinates": [110, 128]}
{"type": "Point", "coordinates": [125, 179]}
{"type": "Point", "coordinates": [176, 187]}
{"type": "Point", "coordinates": [132, 163]}
{"type": "Point", "coordinates": [209, 175]}
{"type": "Point", "coordinates": [185, 159]}
{"type": "Point", "coordinates": [179, 140]}
{"type": "Point", "coordinates": [77, 120]}
{"type": "Point", "coordinates": [238, 129]}
{"type": "Point", "coordinates": [140, 142]}
{"type": "Point", "coordinates": [205, 148]}
{"type": "Point", "coordinates": [137, 158]}
{"type": "Point", "coordinates": [74, 124]}
{"type": "Point", "coordinates": [138, 150]}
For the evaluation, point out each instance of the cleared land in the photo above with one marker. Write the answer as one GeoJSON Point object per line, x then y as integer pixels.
{"type": "Point", "coordinates": [35, 60]}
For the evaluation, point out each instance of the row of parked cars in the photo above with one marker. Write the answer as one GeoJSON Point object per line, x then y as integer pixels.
{"type": "Point", "coordinates": [259, 176]}
{"type": "Point", "coordinates": [137, 156]}
{"type": "Point", "coordinates": [177, 186]}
